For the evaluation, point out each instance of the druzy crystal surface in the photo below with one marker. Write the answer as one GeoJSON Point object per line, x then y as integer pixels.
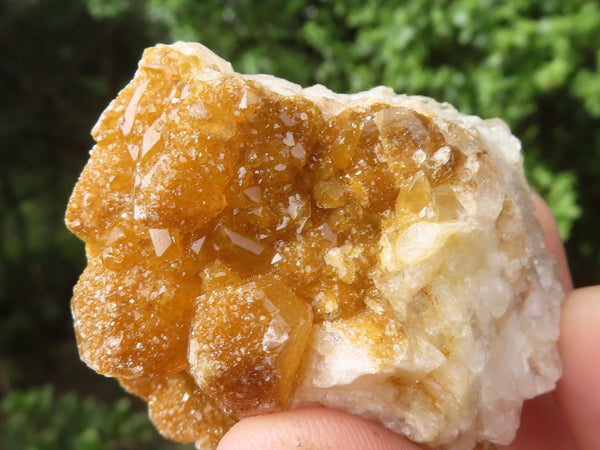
{"type": "Point", "coordinates": [253, 246]}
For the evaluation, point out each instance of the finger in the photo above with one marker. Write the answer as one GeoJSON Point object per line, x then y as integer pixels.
{"type": "Point", "coordinates": [578, 391]}
{"type": "Point", "coordinates": [542, 427]}
{"type": "Point", "coordinates": [554, 242]}
{"type": "Point", "coordinates": [313, 428]}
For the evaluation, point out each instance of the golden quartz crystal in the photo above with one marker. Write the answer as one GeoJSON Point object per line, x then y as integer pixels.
{"type": "Point", "coordinates": [254, 246]}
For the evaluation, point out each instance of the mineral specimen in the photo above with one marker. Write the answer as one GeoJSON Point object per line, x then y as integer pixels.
{"type": "Point", "coordinates": [254, 246]}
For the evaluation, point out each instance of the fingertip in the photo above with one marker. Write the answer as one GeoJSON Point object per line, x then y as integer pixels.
{"type": "Point", "coordinates": [542, 427]}
{"type": "Point", "coordinates": [578, 391]}
{"type": "Point", "coordinates": [311, 428]}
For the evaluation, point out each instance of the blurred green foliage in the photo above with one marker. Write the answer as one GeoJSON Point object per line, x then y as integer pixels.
{"type": "Point", "coordinates": [59, 66]}
{"type": "Point", "coordinates": [38, 419]}
{"type": "Point", "coordinates": [534, 63]}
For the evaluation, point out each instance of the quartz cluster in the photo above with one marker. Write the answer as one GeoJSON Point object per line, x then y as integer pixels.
{"type": "Point", "coordinates": [254, 246]}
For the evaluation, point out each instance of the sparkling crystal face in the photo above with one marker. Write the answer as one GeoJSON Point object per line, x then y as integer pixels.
{"type": "Point", "coordinates": [254, 247]}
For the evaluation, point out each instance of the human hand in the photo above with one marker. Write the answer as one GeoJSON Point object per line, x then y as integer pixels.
{"type": "Point", "coordinates": [568, 418]}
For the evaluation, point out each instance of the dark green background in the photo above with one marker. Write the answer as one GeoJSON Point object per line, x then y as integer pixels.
{"type": "Point", "coordinates": [535, 63]}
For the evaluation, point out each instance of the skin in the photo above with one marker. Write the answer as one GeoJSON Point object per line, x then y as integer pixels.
{"type": "Point", "coordinates": [567, 418]}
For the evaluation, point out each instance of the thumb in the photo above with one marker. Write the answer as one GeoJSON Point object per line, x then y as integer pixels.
{"type": "Point", "coordinates": [578, 391]}
{"type": "Point", "coordinates": [311, 428]}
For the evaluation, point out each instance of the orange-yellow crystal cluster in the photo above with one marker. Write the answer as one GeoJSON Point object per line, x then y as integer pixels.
{"type": "Point", "coordinates": [253, 247]}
